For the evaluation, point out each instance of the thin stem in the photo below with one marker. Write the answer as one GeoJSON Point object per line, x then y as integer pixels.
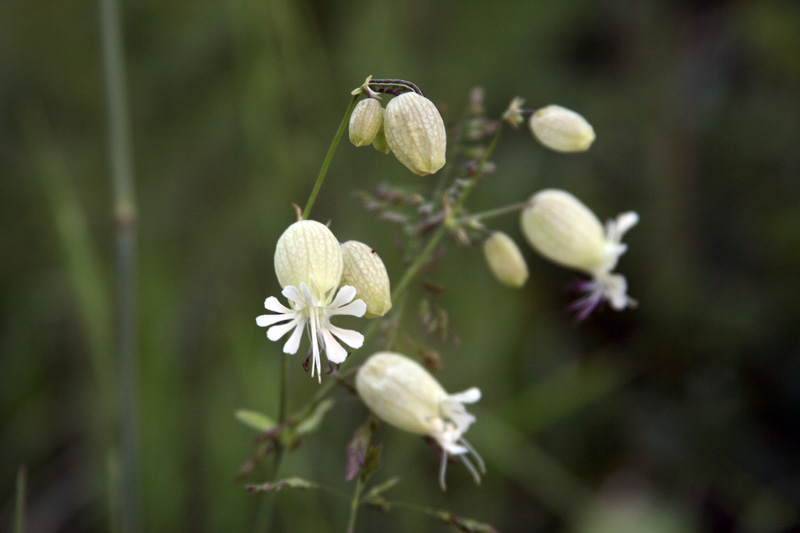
{"type": "Point", "coordinates": [125, 221]}
{"type": "Point", "coordinates": [19, 504]}
{"type": "Point", "coordinates": [491, 213]}
{"type": "Point", "coordinates": [354, 502]}
{"type": "Point", "coordinates": [331, 150]}
{"type": "Point", "coordinates": [282, 388]}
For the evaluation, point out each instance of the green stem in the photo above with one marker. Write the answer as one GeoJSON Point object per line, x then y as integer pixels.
{"type": "Point", "coordinates": [354, 502]}
{"type": "Point", "coordinates": [19, 504]}
{"type": "Point", "coordinates": [125, 221]}
{"type": "Point", "coordinates": [331, 150]}
{"type": "Point", "coordinates": [491, 213]}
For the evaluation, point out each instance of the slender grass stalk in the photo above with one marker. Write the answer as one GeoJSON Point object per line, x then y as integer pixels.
{"type": "Point", "coordinates": [19, 501]}
{"type": "Point", "coordinates": [125, 218]}
{"type": "Point", "coordinates": [331, 150]}
{"type": "Point", "coordinates": [354, 503]}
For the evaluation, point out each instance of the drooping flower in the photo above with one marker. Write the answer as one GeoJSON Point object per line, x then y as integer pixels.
{"type": "Point", "coordinates": [365, 121]}
{"type": "Point", "coordinates": [505, 259]}
{"type": "Point", "coordinates": [562, 229]}
{"type": "Point", "coordinates": [561, 129]}
{"type": "Point", "coordinates": [364, 270]}
{"type": "Point", "coordinates": [402, 393]}
{"type": "Point", "coordinates": [308, 264]}
{"type": "Point", "coordinates": [415, 132]}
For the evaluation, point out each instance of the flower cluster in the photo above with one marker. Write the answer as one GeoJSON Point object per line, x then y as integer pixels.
{"type": "Point", "coordinates": [309, 263]}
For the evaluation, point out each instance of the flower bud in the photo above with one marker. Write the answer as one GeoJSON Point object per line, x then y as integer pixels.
{"type": "Point", "coordinates": [365, 271]}
{"type": "Point", "coordinates": [505, 260]}
{"type": "Point", "coordinates": [561, 129]}
{"type": "Point", "coordinates": [309, 253]}
{"type": "Point", "coordinates": [564, 230]}
{"type": "Point", "coordinates": [402, 393]}
{"type": "Point", "coordinates": [415, 133]}
{"type": "Point", "coordinates": [365, 121]}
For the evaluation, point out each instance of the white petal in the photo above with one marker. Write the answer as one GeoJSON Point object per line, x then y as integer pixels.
{"type": "Point", "coordinates": [350, 337]}
{"type": "Point", "coordinates": [293, 295]}
{"type": "Point", "coordinates": [357, 308]}
{"type": "Point", "coordinates": [345, 295]}
{"type": "Point", "coordinates": [333, 350]}
{"type": "Point", "coordinates": [626, 221]}
{"type": "Point", "coordinates": [309, 298]}
{"type": "Point", "coordinates": [468, 396]}
{"type": "Point", "coordinates": [272, 304]}
{"type": "Point", "coordinates": [268, 320]}
{"type": "Point", "coordinates": [293, 342]}
{"type": "Point", "coordinates": [276, 332]}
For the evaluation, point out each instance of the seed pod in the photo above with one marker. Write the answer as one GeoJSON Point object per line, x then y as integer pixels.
{"type": "Point", "coordinates": [365, 121]}
{"type": "Point", "coordinates": [365, 271]}
{"type": "Point", "coordinates": [505, 260]}
{"type": "Point", "coordinates": [561, 129]}
{"type": "Point", "coordinates": [562, 229]}
{"type": "Point", "coordinates": [415, 133]}
{"type": "Point", "coordinates": [308, 252]}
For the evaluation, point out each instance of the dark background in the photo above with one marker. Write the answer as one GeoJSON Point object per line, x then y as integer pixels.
{"type": "Point", "coordinates": [683, 414]}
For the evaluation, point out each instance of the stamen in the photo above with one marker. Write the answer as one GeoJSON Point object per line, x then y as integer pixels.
{"type": "Point", "coordinates": [443, 470]}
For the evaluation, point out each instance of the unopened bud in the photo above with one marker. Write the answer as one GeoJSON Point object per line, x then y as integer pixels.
{"type": "Point", "coordinates": [365, 271]}
{"type": "Point", "coordinates": [561, 129]}
{"type": "Point", "coordinates": [415, 133]}
{"type": "Point", "coordinates": [564, 230]}
{"type": "Point", "coordinates": [309, 253]}
{"type": "Point", "coordinates": [365, 121]}
{"type": "Point", "coordinates": [505, 260]}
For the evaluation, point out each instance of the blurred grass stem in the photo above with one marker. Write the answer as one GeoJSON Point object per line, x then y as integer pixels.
{"type": "Point", "coordinates": [125, 218]}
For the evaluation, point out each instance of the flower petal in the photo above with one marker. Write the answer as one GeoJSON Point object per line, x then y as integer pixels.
{"type": "Point", "coordinates": [350, 337]}
{"type": "Point", "coordinates": [268, 320]}
{"type": "Point", "coordinates": [293, 342]}
{"type": "Point", "coordinates": [356, 308]}
{"type": "Point", "coordinates": [272, 304]}
{"type": "Point", "coordinates": [333, 350]}
{"type": "Point", "coordinates": [276, 332]}
{"type": "Point", "coordinates": [345, 295]}
{"type": "Point", "coordinates": [293, 295]}
{"type": "Point", "coordinates": [468, 396]}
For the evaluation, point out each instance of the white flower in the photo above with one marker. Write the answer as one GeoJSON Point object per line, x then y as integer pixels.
{"type": "Point", "coordinates": [308, 263]}
{"type": "Point", "coordinates": [402, 393]}
{"type": "Point", "coordinates": [562, 229]}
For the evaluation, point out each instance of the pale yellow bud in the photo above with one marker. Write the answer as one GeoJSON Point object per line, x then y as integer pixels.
{"type": "Point", "coordinates": [415, 133]}
{"type": "Point", "coordinates": [563, 230]}
{"type": "Point", "coordinates": [309, 253]}
{"type": "Point", "coordinates": [505, 260]}
{"type": "Point", "coordinates": [365, 121]}
{"type": "Point", "coordinates": [365, 271]}
{"type": "Point", "coordinates": [561, 129]}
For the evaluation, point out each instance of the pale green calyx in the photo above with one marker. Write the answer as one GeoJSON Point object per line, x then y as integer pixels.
{"type": "Point", "coordinates": [365, 122]}
{"type": "Point", "coordinates": [365, 271]}
{"type": "Point", "coordinates": [402, 393]}
{"type": "Point", "coordinates": [415, 133]}
{"type": "Point", "coordinates": [505, 259]}
{"type": "Point", "coordinates": [561, 129]}
{"type": "Point", "coordinates": [309, 253]}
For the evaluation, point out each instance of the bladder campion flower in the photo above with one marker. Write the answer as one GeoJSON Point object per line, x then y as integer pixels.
{"type": "Point", "coordinates": [309, 263]}
{"type": "Point", "coordinates": [365, 271]}
{"type": "Point", "coordinates": [561, 129]}
{"type": "Point", "coordinates": [562, 229]}
{"type": "Point", "coordinates": [505, 259]}
{"type": "Point", "coordinates": [365, 122]}
{"type": "Point", "coordinates": [415, 133]}
{"type": "Point", "coordinates": [402, 393]}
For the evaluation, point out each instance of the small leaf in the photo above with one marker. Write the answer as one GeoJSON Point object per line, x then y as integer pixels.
{"type": "Point", "coordinates": [467, 525]}
{"type": "Point", "coordinates": [375, 496]}
{"type": "Point", "coordinates": [288, 483]}
{"type": "Point", "coordinates": [255, 420]}
{"type": "Point", "coordinates": [372, 462]}
{"type": "Point", "coordinates": [314, 419]}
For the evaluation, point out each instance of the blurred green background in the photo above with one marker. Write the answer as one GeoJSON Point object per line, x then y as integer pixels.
{"type": "Point", "coordinates": [681, 415]}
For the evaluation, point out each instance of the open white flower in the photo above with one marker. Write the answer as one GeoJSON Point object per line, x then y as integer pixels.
{"type": "Point", "coordinates": [402, 393]}
{"type": "Point", "coordinates": [308, 263]}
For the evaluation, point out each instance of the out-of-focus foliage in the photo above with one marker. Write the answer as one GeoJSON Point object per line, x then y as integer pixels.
{"type": "Point", "coordinates": [681, 415]}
